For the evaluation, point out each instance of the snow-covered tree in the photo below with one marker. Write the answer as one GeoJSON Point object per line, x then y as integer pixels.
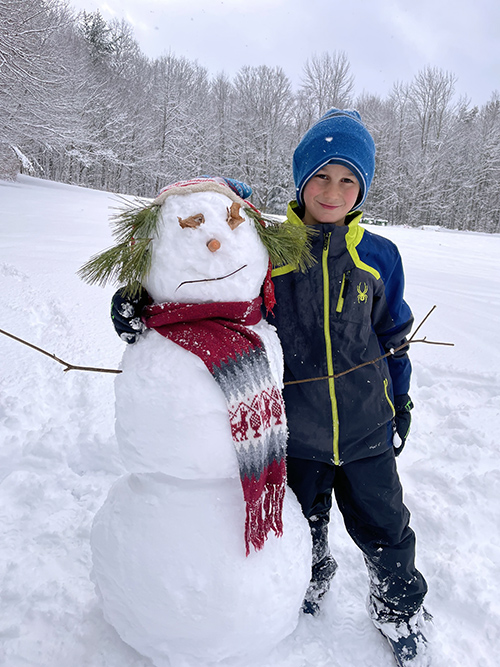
{"type": "Point", "coordinates": [220, 131]}
{"type": "Point", "coordinates": [414, 134]}
{"type": "Point", "coordinates": [97, 34]}
{"type": "Point", "coordinates": [31, 74]}
{"type": "Point", "coordinates": [176, 101]}
{"type": "Point", "coordinates": [263, 133]}
{"type": "Point", "coordinates": [80, 103]}
{"type": "Point", "coordinates": [327, 82]}
{"type": "Point", "coordinates": [484, 169]}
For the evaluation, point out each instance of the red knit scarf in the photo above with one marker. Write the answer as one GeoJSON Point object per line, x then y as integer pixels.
{"type": "Point", "coordinates": [218, 333]}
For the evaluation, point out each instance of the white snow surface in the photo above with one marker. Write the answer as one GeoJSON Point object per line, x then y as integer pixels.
{"type": "Point", "coordinates": [59, 456]}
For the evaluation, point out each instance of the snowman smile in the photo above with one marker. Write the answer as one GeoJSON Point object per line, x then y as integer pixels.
{"type": "Point", "coordinates": [208, 280]}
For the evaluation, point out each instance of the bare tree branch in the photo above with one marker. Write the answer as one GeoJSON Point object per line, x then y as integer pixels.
{"type": "Point", "coordinates": [72, 367]}
{"type": "Point", "coordinates": [69, 367]}
{"type": "Point", "coordinates": [392, 351]}
{"type": "Point", "coordinates": [367, 363]}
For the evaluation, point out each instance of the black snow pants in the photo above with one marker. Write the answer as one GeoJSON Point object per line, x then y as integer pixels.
{"type": "Point", "coordinates": [370, 497]}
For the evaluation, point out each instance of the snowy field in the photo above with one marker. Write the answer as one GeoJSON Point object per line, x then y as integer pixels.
{"type": "Point", "coordinates": [58, 455]}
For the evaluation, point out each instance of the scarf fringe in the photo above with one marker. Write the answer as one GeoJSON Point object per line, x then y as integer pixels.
{"type": "Point", "coordinates": [264, 512]}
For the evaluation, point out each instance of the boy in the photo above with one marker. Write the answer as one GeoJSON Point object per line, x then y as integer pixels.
{"type": "Point", "coordinates": [346, 310]}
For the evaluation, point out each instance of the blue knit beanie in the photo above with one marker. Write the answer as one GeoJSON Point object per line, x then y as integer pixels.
{"type": "Point", "coordinates": [339, 137]}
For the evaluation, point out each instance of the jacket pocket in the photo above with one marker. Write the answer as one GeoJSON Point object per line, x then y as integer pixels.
{"type": "Point", "coordinates": [355, 300]}
{"type": "Point", "coordinates": [343, 291]}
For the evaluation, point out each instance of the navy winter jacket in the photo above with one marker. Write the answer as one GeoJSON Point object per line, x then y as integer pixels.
{"type": "Point", "coordinates": [346, 310]}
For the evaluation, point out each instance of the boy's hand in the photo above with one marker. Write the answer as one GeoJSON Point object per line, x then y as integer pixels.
{"type": "Point", "coordinates": [402, 420]}
{"type": "Point", "coordinates": [126, 314]}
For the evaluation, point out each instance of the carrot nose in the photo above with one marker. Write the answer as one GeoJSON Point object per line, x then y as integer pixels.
{"type": "Point", "coordinates": [213, 245]}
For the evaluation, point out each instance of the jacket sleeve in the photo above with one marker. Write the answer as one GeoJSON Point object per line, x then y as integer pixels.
{"type": "Point", "coordinates": [392, 317]}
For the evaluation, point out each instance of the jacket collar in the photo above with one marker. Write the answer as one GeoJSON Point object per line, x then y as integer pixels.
{"type": "Point", "coordinates": [350, 234]}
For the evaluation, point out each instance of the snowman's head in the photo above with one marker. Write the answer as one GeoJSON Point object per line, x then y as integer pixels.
{"type": "Point", "coordinates": [198, 242]}
{"type": "Point", "coordinates": [206, 248]}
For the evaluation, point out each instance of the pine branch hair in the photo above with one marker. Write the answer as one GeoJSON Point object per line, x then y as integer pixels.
{"type": "Point", "coordinates": [129, 261]}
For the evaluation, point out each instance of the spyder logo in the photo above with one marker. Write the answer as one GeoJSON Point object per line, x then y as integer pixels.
{"type": "Point", "coordinates": [362, 292]}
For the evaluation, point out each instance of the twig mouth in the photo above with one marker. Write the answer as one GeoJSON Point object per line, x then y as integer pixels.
{"type": "Point", "coordinates": [209, 280]}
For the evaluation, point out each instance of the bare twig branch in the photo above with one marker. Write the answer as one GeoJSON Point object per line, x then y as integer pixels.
{"type": "Point", "coordinates": [367, 363]}
{"type": "Point", "coordinates": [392, 351]}
{"type": "Point", "coordinates": [69, 367]}
{"type": "Point", "coordinates": [422, 322]}
{"type": "Point", "coordinates": [410, 341]}
{"type": "Point", "coordinates": [208, 280]}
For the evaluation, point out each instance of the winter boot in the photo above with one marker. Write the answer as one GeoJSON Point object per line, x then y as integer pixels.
{"type": "Point", "coordinates": [324, 567]}
{"type": "Point", "coordinates": [407, 640]}
{"type": "Point", "coordinates": [322, 574]}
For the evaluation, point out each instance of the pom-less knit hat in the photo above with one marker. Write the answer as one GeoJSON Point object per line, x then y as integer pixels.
{"type": "Point", "coordinates": [339, 137]}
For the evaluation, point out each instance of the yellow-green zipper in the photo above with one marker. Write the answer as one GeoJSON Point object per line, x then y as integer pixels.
{"type": "Point", "coordinates": [329, 354]}
{"type": "Point", "coordinates": [386, 386]}
{"type": "Point", "coordinates": [340, 302]}
{"type": "Point", "coordinates": [343, 291]}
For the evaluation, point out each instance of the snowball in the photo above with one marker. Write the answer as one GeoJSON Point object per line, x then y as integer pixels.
{"type": "Point", "coordinates": [171, 415]}
{"type": "Point", "coordinates": [181, 255]}
{"type": "Point", "coordinates": [170, 568]}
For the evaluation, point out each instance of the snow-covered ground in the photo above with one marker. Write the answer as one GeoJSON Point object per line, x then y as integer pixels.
{"type": "Point", "coordinates": [58, 454]}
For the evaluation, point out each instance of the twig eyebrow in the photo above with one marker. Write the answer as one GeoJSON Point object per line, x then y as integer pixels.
{"type": "Point", "coordinates": [192, 221]}
{"type": "Point", "coordinates": [233, 216]}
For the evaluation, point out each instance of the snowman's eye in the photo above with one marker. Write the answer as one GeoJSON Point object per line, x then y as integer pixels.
{"type": "Point", "coordinates": [233, 216]}
{"type": "Point", "coordinates": [193, 221]}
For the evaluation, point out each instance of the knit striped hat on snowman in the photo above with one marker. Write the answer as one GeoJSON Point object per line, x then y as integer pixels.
{"type": "Point", "coordinates": [339, 137]}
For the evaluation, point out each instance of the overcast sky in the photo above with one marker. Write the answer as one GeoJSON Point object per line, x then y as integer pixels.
{"type": "Point", "coordinates": [385, 40]}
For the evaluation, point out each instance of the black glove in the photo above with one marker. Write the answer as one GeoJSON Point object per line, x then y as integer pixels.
{"type": "Point", "coordinates": [402, 419]}
{"type": "Point", "coordinates": [126, 314]}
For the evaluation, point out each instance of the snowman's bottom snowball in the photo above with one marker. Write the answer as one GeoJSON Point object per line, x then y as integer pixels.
{"type": "Point", "coordinates": [171, 571]}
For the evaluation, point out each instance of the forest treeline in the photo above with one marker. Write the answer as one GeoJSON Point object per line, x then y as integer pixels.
{"type": "Point", "coordinates": [80, 103]}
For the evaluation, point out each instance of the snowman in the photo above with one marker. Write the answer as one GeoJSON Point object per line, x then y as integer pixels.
{"type": "Point", "coordinates": [201, 554]}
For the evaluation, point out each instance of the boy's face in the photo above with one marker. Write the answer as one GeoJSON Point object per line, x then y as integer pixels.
{"type": "Point", "coordinates": [329, 195]}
